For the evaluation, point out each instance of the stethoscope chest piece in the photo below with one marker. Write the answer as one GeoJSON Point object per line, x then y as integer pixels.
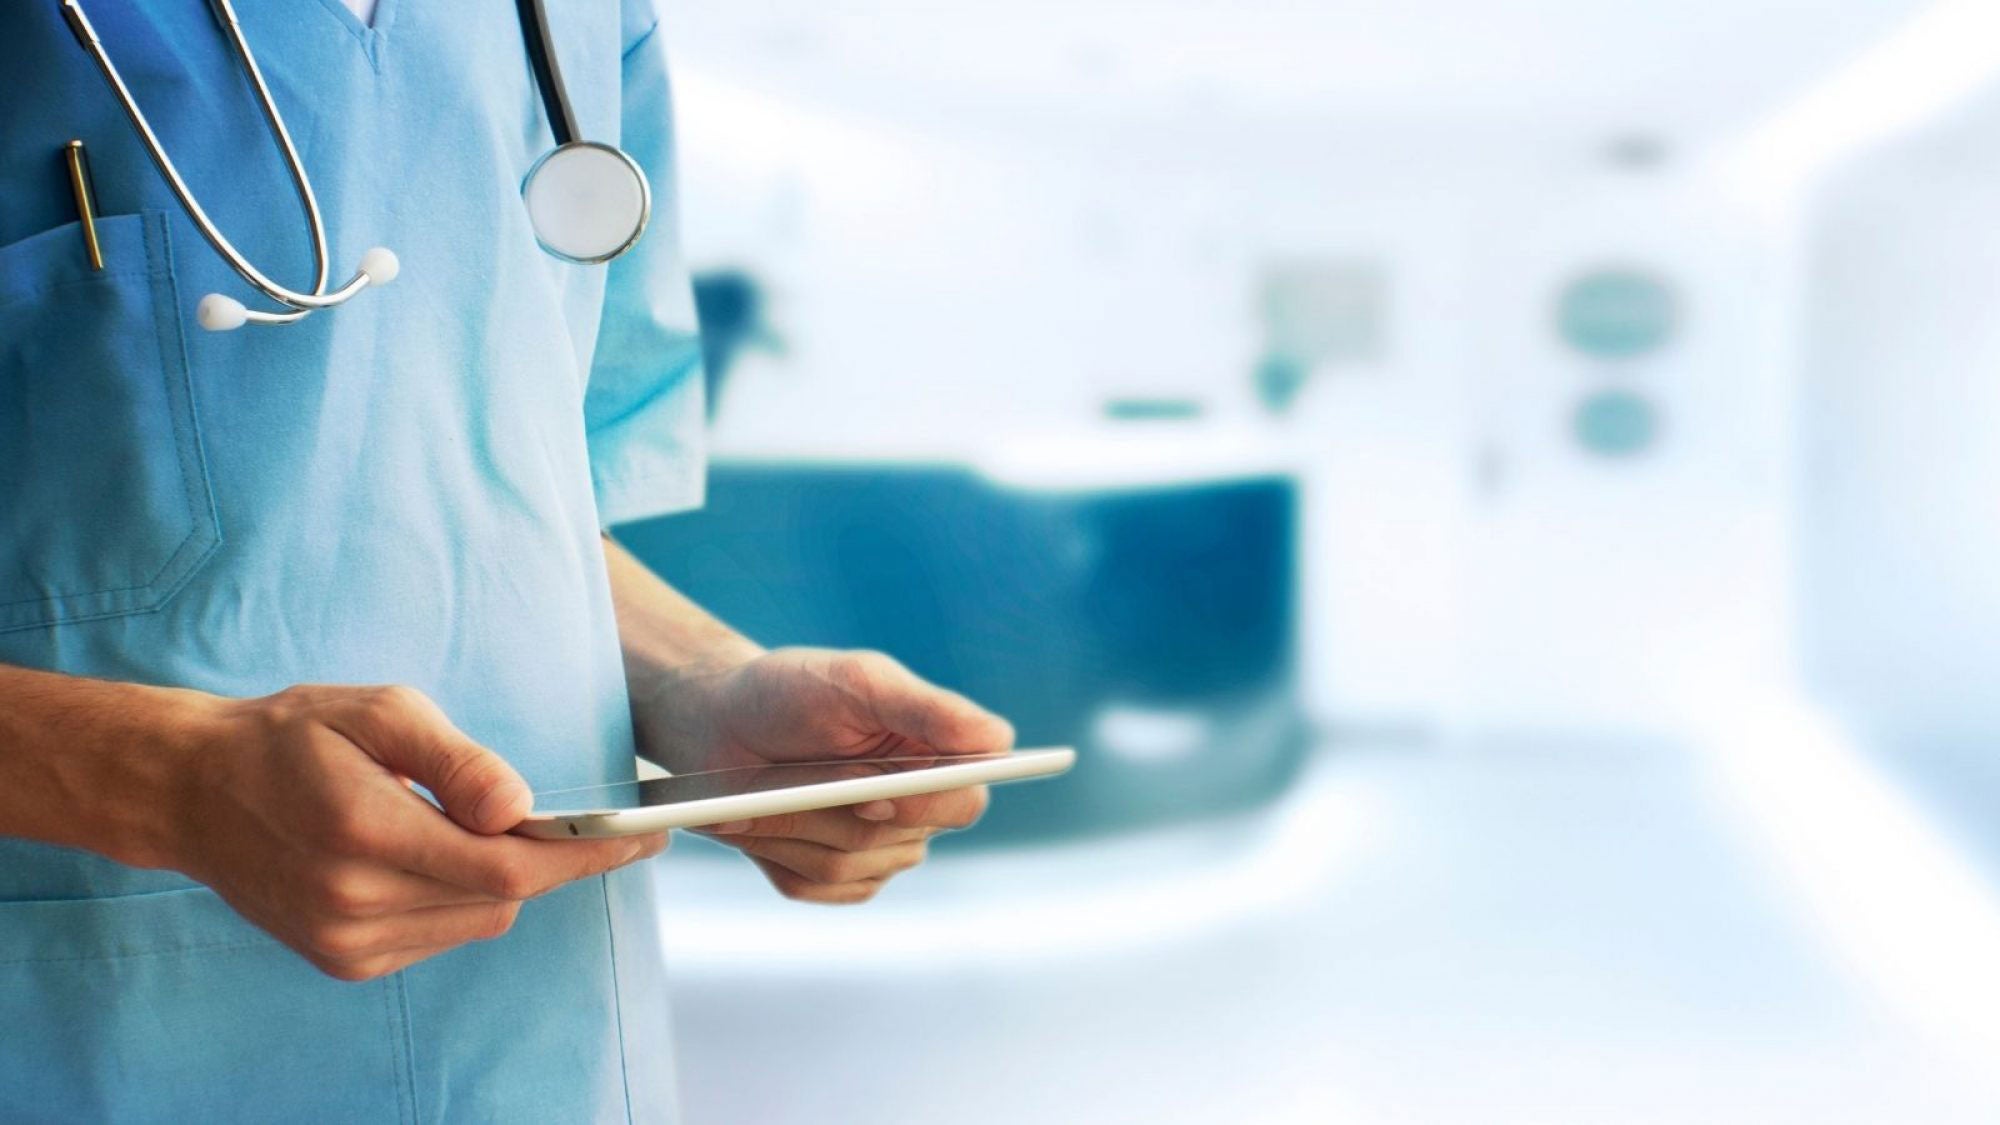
{"type": "Point", "coordinates": [588, 202]}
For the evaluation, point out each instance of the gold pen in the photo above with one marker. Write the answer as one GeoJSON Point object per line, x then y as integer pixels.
{"type": "Point", "coordinates": [86, 203]}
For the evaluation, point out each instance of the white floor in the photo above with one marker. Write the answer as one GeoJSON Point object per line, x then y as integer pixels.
{"type": "Point", "coordinates": [1519, 931]}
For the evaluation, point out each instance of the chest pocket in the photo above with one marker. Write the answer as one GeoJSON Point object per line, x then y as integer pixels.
{"type": "Point", "coordinates": [105, 506]}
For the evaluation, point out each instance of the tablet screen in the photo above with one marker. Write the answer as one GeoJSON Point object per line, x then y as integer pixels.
{"type": "Point", "coordinates": [682, 788]}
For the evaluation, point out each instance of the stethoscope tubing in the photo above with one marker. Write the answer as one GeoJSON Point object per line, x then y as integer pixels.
{"type": "Point", "coordinates": [535, 35]}
{"type": "Point", "coordinates": [379, 265]}
{"type": "Point", "coordinates": [300, 303]}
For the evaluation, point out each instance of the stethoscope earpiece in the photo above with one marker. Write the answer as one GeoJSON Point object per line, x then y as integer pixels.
{"type": "Point", "coordinates": [220, 313]}
{"type": "Point", "coordinates": [381, 265]}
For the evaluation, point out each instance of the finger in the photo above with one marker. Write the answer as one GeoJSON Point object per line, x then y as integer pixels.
{"type": "Point", "coordinates": [953, 809]}
{"type": "Point", "coordinates": [835, 828]}
{"type": "Point", "coordinates": [354, 946]}
{"type": "Point", "coordinates": [911, 706]}
{"type": "Point", "coordinates": [821, 864]}
{"type": "Point", "coordinates": [401, 830]}
{"type": "Point", "coordinates": [515, 867]}
{"type": "Point", "coordinates": [371, 890]}
{"type": "Point", "coordinates": [381, 964]}
{"type": "Point", "coordinates": [370, 968]}
{"type": "Point", "coordinates": [801, 889]}
{"type": "Point", "coordinates": [402, 729]}
{"type": "Point", "coordinates": [444, 927]}
{"type": "Point", "coordinates": [536, 867]}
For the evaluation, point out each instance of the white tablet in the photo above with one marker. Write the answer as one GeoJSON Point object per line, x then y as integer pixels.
{"type": "Point", "coordinates": [690, 800]}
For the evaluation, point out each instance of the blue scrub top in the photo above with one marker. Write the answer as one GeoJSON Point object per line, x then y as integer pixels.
{"type": "Point", "coordinates": [406, 489]}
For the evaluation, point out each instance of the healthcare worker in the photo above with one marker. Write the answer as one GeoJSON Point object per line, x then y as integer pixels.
{"type": "Point", "coordinates": [218, 898]}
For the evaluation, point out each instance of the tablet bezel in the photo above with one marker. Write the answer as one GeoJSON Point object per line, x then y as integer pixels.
{"type": "Point", "coordinates": [593, 824]}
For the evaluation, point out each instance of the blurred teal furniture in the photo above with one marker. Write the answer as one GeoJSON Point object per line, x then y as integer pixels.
{"type": "Point", "coordinates": [1103, 619]}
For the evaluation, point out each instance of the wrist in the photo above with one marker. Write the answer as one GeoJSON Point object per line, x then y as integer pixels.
{"type": "Point", "coordinates": [678, 658]}
{"type": "Point", "coordinates": [146, 780]}
{"type": "Point", "coordinates": [675, 706]}
{"type": "Point", "coordinates": [98, 764]}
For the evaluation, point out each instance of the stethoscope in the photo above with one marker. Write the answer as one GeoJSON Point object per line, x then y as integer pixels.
{"type": "Point", "coordinates": [587, 202]}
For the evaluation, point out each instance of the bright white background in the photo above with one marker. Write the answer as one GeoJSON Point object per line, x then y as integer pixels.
{"type": "Point", "coordinates": [1689, 814]}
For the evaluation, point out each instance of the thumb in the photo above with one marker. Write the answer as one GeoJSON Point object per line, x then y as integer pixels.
{"type": "Point", "coordinates": [408, 734]}
{"type": "Point", "coordinates": [943, 720]}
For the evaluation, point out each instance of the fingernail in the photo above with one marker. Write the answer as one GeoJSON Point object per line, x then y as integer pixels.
{"type": "Point", "coordinates": [876, 810]}
{"type": "Point", "coordinates": [729, 827]}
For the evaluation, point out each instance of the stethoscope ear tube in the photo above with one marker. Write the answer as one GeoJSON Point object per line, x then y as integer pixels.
{"type": "Point", "coordinates": [224, 312]}
{"type": "Point", "coordinates": [588, 202]}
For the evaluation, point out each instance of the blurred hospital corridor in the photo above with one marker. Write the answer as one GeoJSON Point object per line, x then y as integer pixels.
{"type": "Point", "coordinates": [1499, 495]}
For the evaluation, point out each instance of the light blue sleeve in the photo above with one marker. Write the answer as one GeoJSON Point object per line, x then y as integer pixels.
{"type": "Point", "coordinates": [644, 409]}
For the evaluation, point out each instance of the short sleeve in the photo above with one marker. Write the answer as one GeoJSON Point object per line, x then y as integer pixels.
{"type": "Point", "coordinates": [643, 410]}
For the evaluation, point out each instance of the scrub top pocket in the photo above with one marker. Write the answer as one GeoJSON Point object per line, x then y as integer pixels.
{"type": "Point", "coordinates": [168, 1007]}
{"type": "Point", "coordinates": [105, 507]}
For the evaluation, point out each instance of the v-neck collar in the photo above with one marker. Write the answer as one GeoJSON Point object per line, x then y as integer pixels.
{"type": "Point", "coordinates": [367, 35]}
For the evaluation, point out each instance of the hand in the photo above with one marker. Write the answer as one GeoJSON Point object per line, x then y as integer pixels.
{"type": "Point", "coordinates": [804, 705]}
{"type": "Point", "coordinates": [296, 809]}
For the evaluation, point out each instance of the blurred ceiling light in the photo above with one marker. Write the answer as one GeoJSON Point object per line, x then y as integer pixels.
{"type": "Point", "coordinates": [1948, 52]}
{"type": "Point", "coordinates": [1911, 915]}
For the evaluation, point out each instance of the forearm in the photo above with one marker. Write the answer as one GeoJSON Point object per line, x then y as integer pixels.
{"type": "Point", "coordinates": [84, 763]}
{"type": "Point", "coordinates": [674, 651]}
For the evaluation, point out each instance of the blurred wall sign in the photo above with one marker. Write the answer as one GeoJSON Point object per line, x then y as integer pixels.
{"type": "Point", "coordinates": [1314, 312]}
{"type": "Point", "coordinates": [1326, 310]}
{"type": "Point", "coordinates": [1616, 313]}
{"type": "Point", "coordinates": [1616, 423]}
